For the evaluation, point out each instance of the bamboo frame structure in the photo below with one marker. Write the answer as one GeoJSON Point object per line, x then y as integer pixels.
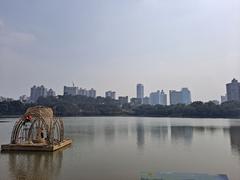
{"type": "Point", "coordinates": [39, 130]}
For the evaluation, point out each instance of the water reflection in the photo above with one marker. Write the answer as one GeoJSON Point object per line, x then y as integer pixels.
{"type": "Point", "coordinates": [109, 132]}
{"type": "Point", "coordinates": [212, 129]}
{"type": "Point", "coordinates": [178, 134]}
{"type": "Point", "coordinates": [159, 132]}
{"type": "Point", "coordinates": [182, 133]}
{"type": "Point", "coordinates": [35, 165]}
{"type": "Point", "coordinates": [235, 138]}
{"type": "Point", "coordinates": [133, 145]}
{"type": "Point", "coordinates": [122, 130]}
{"type": "Point", "coordinates": [199, 129]}
{"type": "Point", "coordinates": [140, 134]}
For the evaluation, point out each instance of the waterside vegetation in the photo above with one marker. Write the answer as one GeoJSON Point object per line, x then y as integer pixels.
{"type": "Point", "coordinates": [87, 106]}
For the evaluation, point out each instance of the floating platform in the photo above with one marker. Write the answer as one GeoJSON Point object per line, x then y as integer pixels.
{"type": "Point", "coordinates": [36, 147]}
{"type": "Point", "coordinates": [37, 130]}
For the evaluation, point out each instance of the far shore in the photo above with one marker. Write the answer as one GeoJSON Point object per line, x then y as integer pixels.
{"type": "Point", "coordinates": [18, 116]}
{"type": "Point", "coordinates": [10, 116]}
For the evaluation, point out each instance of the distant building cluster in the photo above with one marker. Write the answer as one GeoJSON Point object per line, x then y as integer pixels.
{"type": "Point", "coordinates": [180, 97]}
{"type": "Point", "coordinates": [74, 91]}
{"type": "Point", "coordinates": [5, 99]}
{"type": "Point", "coordinates": [39, 91]}
{"type": "Point", "coordinates": [159, 97]}
{"type": "Point", "coordinates": [110, 94]}
{"type": "Point", "coordinates": [155, 98]}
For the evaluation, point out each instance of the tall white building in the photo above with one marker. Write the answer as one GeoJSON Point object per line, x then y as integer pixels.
{"type": "Point", "coordinates": [233, 90]}
{"type": "Point", "coordinates": [73, 91]}
{"type": "Point", "coordinates": [51, 92]}
{"type": "Point", "coordinates": [186, 96]}
{"type": "Point", "coordinates": [175, 97]}
{"type": "Point", "coordinates": [140, 92]}
{"type": "Point", "coordinates": [111, 94]}
{"type": "Point", "coordinates": [37, 92]}
{"type": "Point", "coordinates": [92, 93]}
{"type": "Point", "coordinates": [83, 92]}
{"type": "Point", "coordinates": [180, 97]}
{"type": "Point", "coordinates": [158, 97]}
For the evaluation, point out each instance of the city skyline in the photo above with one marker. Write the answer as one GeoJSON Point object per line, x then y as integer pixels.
{"type": "Point", "coordinates": [158, 97]}
{"type": "Point", "coordinates": [116, 44]}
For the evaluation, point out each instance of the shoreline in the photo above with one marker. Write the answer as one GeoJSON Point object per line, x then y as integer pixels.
{"type": "Point", "coordinates": [18, 116]}
{"type": "Point", "coordinates": [9, 116]}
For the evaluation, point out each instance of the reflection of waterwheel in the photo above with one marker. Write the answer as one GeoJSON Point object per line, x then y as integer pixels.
{"type": "Point", "coordinates": [31, 165]}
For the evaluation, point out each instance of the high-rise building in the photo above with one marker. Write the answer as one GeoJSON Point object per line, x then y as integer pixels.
{"type": "Point", "coordinates": [73, 91]}
{"type": "Point", "coordinates": [110, 94]}
{"type": "Point", "coordinates": [180, 97]}
{"type": "Point", "coordinates": [233, 90]}
{"type": "Point", "coordinates": [37, 92]}
{"type": "Point", "coordinates": [186, 96]}
{"type": "Point", "coordinates": [140, 92]}
{"type": "Point", "coordinates": [82, 92]}
{"type": "Point", "coordinates": [158, 97]}
{"type": "Point", "coordinates": [175, 97]}
{"type": "Point", "coordinates": [51, 92]}
{"type": "Point", "coordinates": [92, 93]}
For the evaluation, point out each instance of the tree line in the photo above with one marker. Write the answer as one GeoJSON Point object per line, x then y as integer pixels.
{"type": "Point", "coordinates": [87, 106]}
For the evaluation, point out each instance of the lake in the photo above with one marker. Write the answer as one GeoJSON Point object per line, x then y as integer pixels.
{"type": "Point", "coordinates": [120, 148]}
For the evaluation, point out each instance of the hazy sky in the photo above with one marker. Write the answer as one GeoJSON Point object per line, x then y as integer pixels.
{"type": "Point", "coordinates": [115, 44]}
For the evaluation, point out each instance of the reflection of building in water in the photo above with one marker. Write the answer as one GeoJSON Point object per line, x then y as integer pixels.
{"type": "Point", "coordinates": [199, 129]}
{"type": "Point", "coordinates": [159, 132]}
{"type": "Point", "coordinates": [32, 165]}
{"type": "Point", "coordinates": [140, 134]}
{"type": "Point", "coordinates": [212, 129]}
{"type": "Point", "coordinates": [235, 138]}
{"type": "Point", "coordinates": [122, 130]}
{"type": "Point", "coordinates": [109, 132]}
{"type": "Point", "coordinates": [209, 129]}
{"type": "Point", "coordinates": [184, 133]}
{"type": "Point", "coordinates": [81, 132]}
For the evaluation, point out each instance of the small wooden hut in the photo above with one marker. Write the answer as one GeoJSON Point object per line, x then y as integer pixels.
{"type": "Point", "coordinates": [37, 130]}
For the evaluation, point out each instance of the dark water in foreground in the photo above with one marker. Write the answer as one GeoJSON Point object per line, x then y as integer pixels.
{"type": "Point", "coordinates": [108, 148]}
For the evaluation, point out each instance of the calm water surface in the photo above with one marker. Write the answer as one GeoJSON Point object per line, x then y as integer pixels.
{"type": "Point", "coordinates": [120, 148]}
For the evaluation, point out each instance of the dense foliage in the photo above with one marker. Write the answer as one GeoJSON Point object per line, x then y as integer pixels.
{"type": "Point", "coordinates": [196, 109]}
{"type": "Point", "coordinates": [86, 106]}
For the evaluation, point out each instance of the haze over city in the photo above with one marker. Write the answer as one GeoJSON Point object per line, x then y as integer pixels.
{"type": "Point", "coordinates": [113, 45]}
